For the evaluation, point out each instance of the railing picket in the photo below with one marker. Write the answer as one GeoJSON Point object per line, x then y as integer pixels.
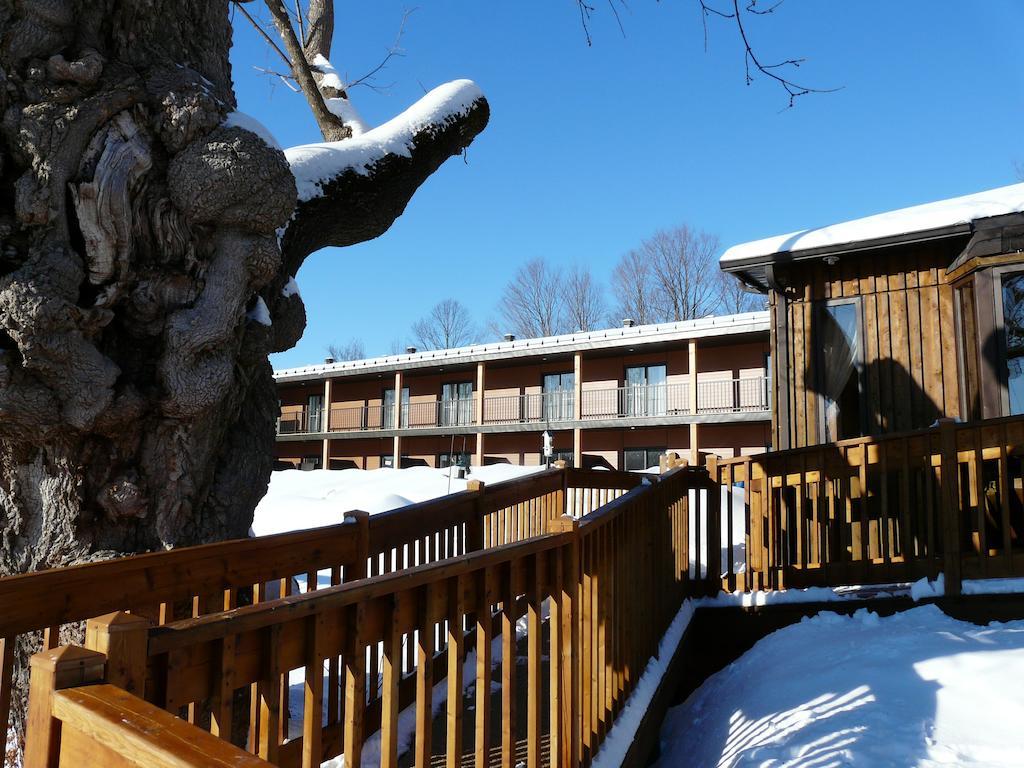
{"type": "Point", "coordinates": [1004, 501]}
{"type": "Point", "coordinates": [508, 667]}
{"type": "Point", "coordinates": [533, 672]}
{"type": "Point", "coordinates": [424, 677]}
{"type": "Point", "coordinates": [268, 693]}
{"type": "Point", "coordinates": [484, 631]}
{"type": "Point", "coordinates": [455, 643]}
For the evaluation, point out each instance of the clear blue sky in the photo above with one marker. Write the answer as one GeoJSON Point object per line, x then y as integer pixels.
{"type": "Point", "coordinates": [589, 150]}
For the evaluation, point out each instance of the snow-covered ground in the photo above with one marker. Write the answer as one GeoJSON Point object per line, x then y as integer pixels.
{"type": "Point", "coordinates": [297, 500]}
{"type": "Point", "coordinates": [914, 689]}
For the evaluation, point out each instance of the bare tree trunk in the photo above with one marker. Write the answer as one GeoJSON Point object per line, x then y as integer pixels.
{"type": "Point", "coordinates": [140, 260]}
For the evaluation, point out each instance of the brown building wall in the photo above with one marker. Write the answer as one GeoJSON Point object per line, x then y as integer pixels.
{"type": "Point", "coordinates": [910, 372]}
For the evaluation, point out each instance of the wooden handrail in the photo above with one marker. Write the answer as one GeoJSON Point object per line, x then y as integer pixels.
{"type": "Point", "coordinates": [882, 509]}
{"type": "Point", "coordinates": [613, 586]}
{"type": "Point", "coordinates": [198, 580]}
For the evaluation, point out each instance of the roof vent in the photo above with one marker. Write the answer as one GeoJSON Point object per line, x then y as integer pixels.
{"type": "Point", "coordinates": [328, 360]}
{"type": "Point", "coordinates": [410, 350]}
{"type": "Point", "coordinates": [627, 322]}
{"type": "Point", "coordinates": [510, 337]}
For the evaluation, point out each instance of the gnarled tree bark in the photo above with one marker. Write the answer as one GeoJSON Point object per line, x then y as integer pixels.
{"type": "Point", "coordinates": [137, 407]}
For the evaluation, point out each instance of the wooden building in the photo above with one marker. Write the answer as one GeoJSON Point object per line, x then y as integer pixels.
{"type": "Point", "coordinates": [617, 397]}
{"type": "Point", "coordinates": [887, 323]}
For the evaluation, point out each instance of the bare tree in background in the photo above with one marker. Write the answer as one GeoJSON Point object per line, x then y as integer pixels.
{"type": "Point", "coordinates": [352, 349]}
{"type": "Point", "coordinates": [634, 289]}
{"type": "Point", "coordinates": [583, 300]}
{"type": "Point", "coordinates": [448, 325]}
{"type": "Point", "coordinates": [734, 298]}
{"type": "Point", "coordinates": [684, 272]}
{"type": "Point", "coordinates": [531, 305]}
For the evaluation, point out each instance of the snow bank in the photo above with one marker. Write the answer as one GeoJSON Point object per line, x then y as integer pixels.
{"type": "Point", "coordinates": [917, 688]}
{"type": "Point", "coordinates": [315, 164]}
{"type": "Point", "coordinates": [297, 500]}
{"type": "Point", "coordinates": [918, 218]}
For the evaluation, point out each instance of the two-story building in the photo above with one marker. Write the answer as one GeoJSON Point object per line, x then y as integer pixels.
{"type": "Point", "coordinates": [619, 397]}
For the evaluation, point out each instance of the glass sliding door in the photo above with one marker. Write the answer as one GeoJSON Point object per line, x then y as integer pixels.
{"type": "Point", "coordinates": [645, 390]}
{"type": "Point", "coordinates": [559, 395]}
{"type": "Point", "coordinates": [456, 406]}
{"type": "Point", "coordinates": [839, 340]}
{"type": "Point", "coordinates": [388, 416]}
{"type": "Point", "coordinates": [314, 414]}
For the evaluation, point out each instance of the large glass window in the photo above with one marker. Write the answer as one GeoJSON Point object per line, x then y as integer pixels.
{"type": "Point", "coordinates": [559, 392]}
{"type": "Point", "coordinates": [388, 417]}
{"type": "Point", "coordinates": [644, 394]}
{"type": "Point", "coordinates": [456, 403]}
{"type": "Point", "coordinates": [1013, 328]}
{"type": "Point", "coordinates": [839, 340]}
{"type": "Point", "coordinates": [641, 458]}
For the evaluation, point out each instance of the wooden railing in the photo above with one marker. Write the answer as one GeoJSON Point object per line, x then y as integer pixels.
{"type": "Point", "coordinates": [611, 581]}
{"type": "Point", "coordinates": [194, 581]}
{"type": "Point", "coordinates": [879, 510]}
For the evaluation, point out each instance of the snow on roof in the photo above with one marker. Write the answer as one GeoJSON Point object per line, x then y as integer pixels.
{"type": "Point", "coordinates": [748, 322]}
{"type": "Point", "coordinates": [918, 218]}
{"type": "Point", "coordinates": [315, 164]}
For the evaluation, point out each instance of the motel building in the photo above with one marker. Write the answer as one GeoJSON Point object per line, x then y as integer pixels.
{"type": "Point", "coordinates": [617, 398]}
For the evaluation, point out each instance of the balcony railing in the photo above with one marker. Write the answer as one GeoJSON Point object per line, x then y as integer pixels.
{"type": "Point", "coordinates": [646, 401]}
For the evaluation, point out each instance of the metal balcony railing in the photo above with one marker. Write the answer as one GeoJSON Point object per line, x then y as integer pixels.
{"type": "Point", "coordinates": [652, 400]}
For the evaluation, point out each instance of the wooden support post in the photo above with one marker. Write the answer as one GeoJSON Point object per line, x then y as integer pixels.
{"type": "Point", "coordinates": [424, 676]}
{"type": "Point", "coordinates": [475, 525]}
{"type": "Point", "coordinates": [565, 696]}
{"type": "Point", "coordinates": [693, 404]}
{"type": "Point", "coordinates": [535, 599]}
{"type": "Point", "coordinates": [455, 643]}
{"type": "Point", "coordinates": [355, 684]}
{"type": "Point", "coordinates": [124, 639]}
{"type": "Point", "coordinates": [481, 388]}
{"type": "Point", "coordinates": [484, 627]}
{"type": "Point", "coordinates": [714, 529]}
{"type": "Point", "coordinates": [313, 693]}
{"type": "Point", "coordinates": [396, 423]}
{"type": "Point", "coordinates": [358, 569]}
{"type": "Point", "coordinates": [950, 505]}
{"type": "Point", "coordinates": [391, 671]}
{"type": "Point", "coordinates": [577, 409]}
{"type": "Point", "coordinates": [54, 670]}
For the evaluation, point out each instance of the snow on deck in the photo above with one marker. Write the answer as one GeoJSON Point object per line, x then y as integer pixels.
{"type": "Point", "coordinates": [918, 218]}
{"type": "Point", "coordinates": [315, 164]}
{"type": "Point", "coordinates": [298, 499]}
{"type": "Point", "coordinates": [916, 688]}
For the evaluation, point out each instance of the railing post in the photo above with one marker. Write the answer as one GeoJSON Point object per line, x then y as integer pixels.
{"type": "Point", "coordinates": [950, 505]}
{"type": "Point", "coordinates": [567, 693]}
{"type": "Point", "coordinates": [475, 524]}
{"type": "Point", "coordinates": [714, 529]}
{"type": "Point", "coordinates": [123, 638]}
{"type": "Point", "coordinates": [362, 521]}
{"type": "Point", "coordinates": [65, 667]}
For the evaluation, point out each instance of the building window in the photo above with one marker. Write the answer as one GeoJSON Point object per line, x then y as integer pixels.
{"type": "Point", "coordinates": [1013, 328]}
{"type": "Point", "coordinates": [644, 393]}
{"type": "Point", "coordinates": [310, 462]}
{"type": "Point", "coordinates": [388, 416]}
{"type": "Point", "coordinates": [457, 459]}
{"type": "Point", "coordinates": [559, 396]}
{"type": "Point", "coordinates": [641, 458]}
{"type": "Point", "coordinates": [456, 406]}
{"type": "Point", "coordinates": [839, 342]}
